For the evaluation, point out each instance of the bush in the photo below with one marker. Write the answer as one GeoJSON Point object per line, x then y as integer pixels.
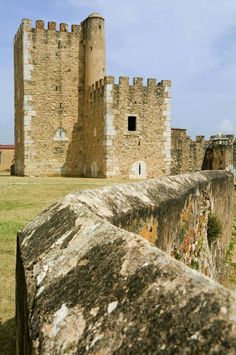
{"type": "Point", "coordinates": [214, 228]}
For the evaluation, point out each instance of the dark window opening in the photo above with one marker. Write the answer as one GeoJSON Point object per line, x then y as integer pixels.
{"type": "Point", "coordinates": [99, 27]}
{"type": "Point", "coordinates": [139, 169]}
{"type": "Point", "coordinates": [132, 123]}
{"type": "Point", "coordinates": [91, 48]}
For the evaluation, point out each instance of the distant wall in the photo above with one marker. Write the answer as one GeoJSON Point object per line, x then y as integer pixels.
{"type": "Point", "coordinates": [221, 154]}
{"type": "Point", "coordinates": [86, 283]}
{"type": "Point", "coordinates": [218, 153]}
{"type": "Point", "coordinates": [187, 154]}
{"type": "Point", "coordinates": [6, 157]}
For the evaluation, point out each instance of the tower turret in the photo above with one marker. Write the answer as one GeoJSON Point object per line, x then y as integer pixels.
{"type": "Point", "coordinates": [95, 48]}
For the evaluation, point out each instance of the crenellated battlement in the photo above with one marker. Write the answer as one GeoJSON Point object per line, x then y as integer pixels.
{"type": "Point", "coordinates": [26, 25]}
{"type": "Point", "coordinates": [137, 82]}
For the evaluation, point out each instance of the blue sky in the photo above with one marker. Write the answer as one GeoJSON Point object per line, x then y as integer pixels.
{"type": "Point", "coordinates": [191, 42]}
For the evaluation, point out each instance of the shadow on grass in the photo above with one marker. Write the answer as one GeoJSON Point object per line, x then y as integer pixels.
{"type": "Point", "coordinates": [8, 337]}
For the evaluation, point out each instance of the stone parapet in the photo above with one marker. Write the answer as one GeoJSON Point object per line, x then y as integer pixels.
{"type": "Point", "coordinates": [86, 282]}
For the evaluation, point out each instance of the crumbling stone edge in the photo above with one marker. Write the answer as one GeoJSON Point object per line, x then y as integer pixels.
{"type": "Point", "coordinates": [85, 285]}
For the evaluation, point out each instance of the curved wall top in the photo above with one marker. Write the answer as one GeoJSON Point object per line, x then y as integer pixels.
{"type": "Point", "coordinates": [88, 283]}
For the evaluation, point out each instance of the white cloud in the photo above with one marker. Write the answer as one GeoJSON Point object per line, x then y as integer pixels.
{"type": "Point", "coordinates": [227, 126]}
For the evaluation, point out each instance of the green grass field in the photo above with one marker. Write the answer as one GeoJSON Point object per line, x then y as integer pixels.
{"type": "Point", "coordinates": [21, 200]}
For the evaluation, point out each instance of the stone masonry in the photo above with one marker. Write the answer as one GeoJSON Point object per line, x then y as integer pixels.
{"type": "Point", "coordinates": [87, 283]}
{"type": "Point", "coordinates": [217, 153]}
{"type": "Point", "coordinates": [221, 154]}
{"type": "Point", "coordinates": [6, 156]}
{"type": "Point", "coordinates": [187, 154]}
{"type": "Point", "coordinates": [71, 119]}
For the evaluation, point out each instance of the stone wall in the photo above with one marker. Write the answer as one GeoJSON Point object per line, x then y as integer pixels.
{"type": "Point", "coordinates": [52, 69]}
{"type": "Point", "coordinates": [87, 285]}
{"type": "Point", "coordinates": [187, 155]}
{"type": "Point", "coordinates": [111, 149]}
{"type": "Point", "coordinates": [220, 154]}
{"type": "Point", "coordinates": [94, 130]}
{"type": "Point", "coordinates": [144, 152]}
{"type": "Point", "coordinates": [19, 97]}
{"type": "Point", "coordinates": [50, 103]}
{"type": "Point", "coordinates": [6, 157]}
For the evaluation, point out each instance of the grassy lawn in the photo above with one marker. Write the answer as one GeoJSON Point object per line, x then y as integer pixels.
{"type": "Point", "coordinates": [21, 200]}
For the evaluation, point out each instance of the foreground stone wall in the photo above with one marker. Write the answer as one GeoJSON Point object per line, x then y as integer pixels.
{"type": "Point", "coordinates": [87, 285]}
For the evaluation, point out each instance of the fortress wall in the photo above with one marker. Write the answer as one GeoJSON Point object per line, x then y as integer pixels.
{"type": "Point", "coordinates": [172, 213]}
{"type": "Point", "coordinates": [94, 131]}
{"type": "Point", "coordinates": [50, 66]}
{"type": "Point", "coordinates": [19, 94]}
{"type": "Point", "coordinates": [84, 284]}
{"type": "Point", "coordinates": [187, 154]}
{"type": "Point", "coordinates": [6, 157]}
{"type": "Point", "coordinates": [85, 155]}
{"type": "Point", "coordinates": [148, 146]}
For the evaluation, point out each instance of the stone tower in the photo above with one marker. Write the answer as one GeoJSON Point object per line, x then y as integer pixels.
{"type": "Point", "coordinates": [71, 119]}
{"type": "Point", "coordinates": [95, 48]}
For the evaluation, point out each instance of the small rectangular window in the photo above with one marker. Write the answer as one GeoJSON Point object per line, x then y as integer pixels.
{"type": "Point", "coordinates": [0, 157]}
{"type": "Point", "coordinates": [139, 169]}
{"type": "Point", "coordinates": [132, 123]}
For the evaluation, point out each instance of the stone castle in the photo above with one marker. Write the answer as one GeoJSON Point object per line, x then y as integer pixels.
{"type": "Point", "coordinates": [72, 120]}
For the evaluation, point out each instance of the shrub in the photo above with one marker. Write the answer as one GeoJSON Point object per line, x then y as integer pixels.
{"type": "Point", "coordinates": [214, 228]}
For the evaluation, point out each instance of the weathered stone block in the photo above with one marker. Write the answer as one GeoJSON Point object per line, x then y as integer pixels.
{"type": "Point", "coordinates": [87, 285]}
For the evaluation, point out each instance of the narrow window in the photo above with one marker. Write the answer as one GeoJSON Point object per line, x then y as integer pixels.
{"type": "Point", "coordinates": [0, 157]}
{"type": "Point", "coordinates": [60, 134]}
{"type": "Point", "coordinates": [139, 169]}
{"type": "Point", "coordinates": [132, 123]}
